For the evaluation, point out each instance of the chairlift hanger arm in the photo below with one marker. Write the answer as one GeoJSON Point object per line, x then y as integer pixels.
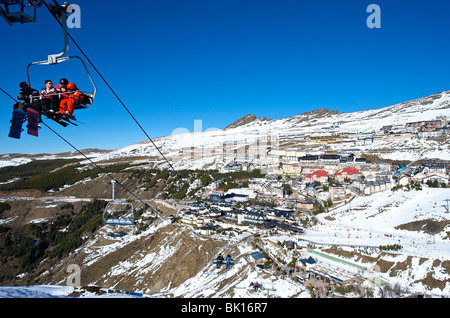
{"type": "Point", "coordinates": [59, 12]}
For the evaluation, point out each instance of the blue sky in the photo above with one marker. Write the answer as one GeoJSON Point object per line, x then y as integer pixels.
{"type": "Point", "coordinates": [176, 61]}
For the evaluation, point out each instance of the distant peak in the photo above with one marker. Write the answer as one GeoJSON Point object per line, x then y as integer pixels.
{"type": "Point", "coordinates": [321, 112]}
{"type": "Point", "coordinates": [245, 120]}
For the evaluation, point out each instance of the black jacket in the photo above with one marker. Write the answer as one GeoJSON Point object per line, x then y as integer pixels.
{"type": "Point", "coordinates": [26, 93]}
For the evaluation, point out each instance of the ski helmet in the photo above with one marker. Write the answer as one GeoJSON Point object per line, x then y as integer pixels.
{"type": "Point", "coordinates": [71, 87]}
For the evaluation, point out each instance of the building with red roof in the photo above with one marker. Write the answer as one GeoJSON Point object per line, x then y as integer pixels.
{"type": "Point", "coordinates": [347, 173]}
{"type": "Point", "coordinates": [317, 176]}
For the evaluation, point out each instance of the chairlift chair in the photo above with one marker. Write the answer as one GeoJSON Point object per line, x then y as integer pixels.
{"type": "Point", "coordinates": [119, 213]}
{"type": "Point", "coordinates": [89, 96]}
{"type": "Point", "coordinates": [257, 286]}
{"type": "Point", "coordinates": [59, 58]}
{"type": "Point", "coordinates": [214, 261]}
{"type": "Point", "coordinates": [261, 287]}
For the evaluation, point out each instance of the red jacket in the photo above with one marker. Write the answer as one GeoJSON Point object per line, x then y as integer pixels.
{"type": "Point", "coordinates": [48, 94]}
{"type": "Point", "coordinates": [77, 96]}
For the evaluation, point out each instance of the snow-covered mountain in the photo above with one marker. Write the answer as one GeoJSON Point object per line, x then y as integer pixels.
{"type": "Point", "coordinates": [170, 260]}
{"type": "Point", "coordinates": [249, 130]}
{"type": "Point", "coordinates": [213, 149]}
{"type": "Point", "coordinates": [17, 159]}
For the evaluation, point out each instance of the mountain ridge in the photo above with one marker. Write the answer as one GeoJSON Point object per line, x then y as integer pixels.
{"type": "Point", "coordinates": [319, 121]}
{"type": "Point", "coordinates": [246, 120]}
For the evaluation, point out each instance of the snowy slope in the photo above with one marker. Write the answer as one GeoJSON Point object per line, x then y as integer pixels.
{"type": "Point", "coordinates": [20, 159]}
{"type": "Point", "coordinates": [361, 226]}
{"type": "Point", "coordinates": [362, 223]}
{"type": "Point", "coordinates": [59, 291]}
{"type": "Point", "coordinates": [371, 221]}
{"type": "Point", "coordinates": [315, 122]}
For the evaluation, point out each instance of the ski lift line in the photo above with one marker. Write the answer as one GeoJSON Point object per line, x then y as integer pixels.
{"type": "Point", "coordinates": [112, 90]}
{"type": "Point", "coordinates": [101, 169]}
{"type": "Point", "coordinates": [8, 95]}
{"type": "Point", "coordinates": [122, 103]}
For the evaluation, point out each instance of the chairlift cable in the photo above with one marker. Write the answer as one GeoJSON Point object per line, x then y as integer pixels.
{"type": "Point", "coordinates": [112, 178]}
{"type": "Point", "coordinates": [120, 101]}
{"type": "Point", "coordinates": [8, 95]}
{"type": "Point", "coordinates": [125, 107]}
{"type": "Point", "coordinates": [102, 170]}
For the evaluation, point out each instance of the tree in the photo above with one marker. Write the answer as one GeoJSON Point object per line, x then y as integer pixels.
{"type": "Point", "coordinates": [288, 188]}
{"type": "Point", "coordinates": [4, 207]}
{"type": "Point", "coordinates": [318, 207]}
{"type": "Point", "coordinates": [433, 183]}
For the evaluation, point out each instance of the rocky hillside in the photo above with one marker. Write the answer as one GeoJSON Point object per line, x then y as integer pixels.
{"type": "Point", "coordinates": [43, 235]}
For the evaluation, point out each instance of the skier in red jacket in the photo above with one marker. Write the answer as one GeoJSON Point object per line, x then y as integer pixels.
{"type": "Point", "coordinates": [69, 98]}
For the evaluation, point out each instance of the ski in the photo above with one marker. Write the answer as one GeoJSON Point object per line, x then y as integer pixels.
{"type": "Point", "coordinates": [67, 119]}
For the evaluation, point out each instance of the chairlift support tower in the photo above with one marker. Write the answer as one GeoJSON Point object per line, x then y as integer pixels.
{"type": "Point", "coordinates": [447, 200]}
{"type": "Point", "coordinates": [113, 183]}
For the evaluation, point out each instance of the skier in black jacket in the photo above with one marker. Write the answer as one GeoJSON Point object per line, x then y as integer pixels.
{"type": "Point", "coordinates": [25, 95]}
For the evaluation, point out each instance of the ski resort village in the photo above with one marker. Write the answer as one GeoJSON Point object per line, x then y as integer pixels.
{"type": "Point", "coordinates": [320, 205]}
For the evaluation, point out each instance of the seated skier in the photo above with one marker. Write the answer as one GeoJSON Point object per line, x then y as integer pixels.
{"type": "Point", "coordinates": [49, 99]}
{"type": "Point", "coordinates": [62, 85]}
{"type": "Point", "coordinates": [26, 95]}
{"type": "Point", "coordinates": [219, 260]}
{"type": "Point", "coordinates": [69, 98]}
{"type": "Point", "coordinates": [227, 261]}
